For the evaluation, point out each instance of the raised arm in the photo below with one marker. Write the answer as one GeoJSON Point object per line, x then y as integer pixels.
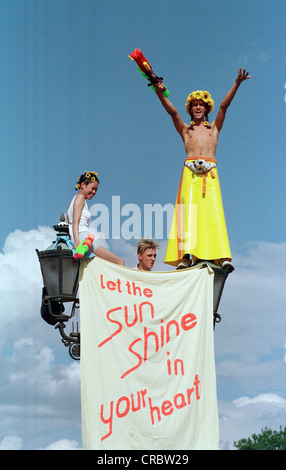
{"type": "Point", "coordinates": [242, 75]}
{"type": "Point", "coordinates": [170, 108]}
{"type": "Point", "coordinates": [77, 210]}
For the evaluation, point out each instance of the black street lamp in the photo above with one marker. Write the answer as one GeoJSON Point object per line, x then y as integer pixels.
{"type": "Point", "coordinates": [60, 273]}
{"type": "Point", "coordinates": [220, 276]}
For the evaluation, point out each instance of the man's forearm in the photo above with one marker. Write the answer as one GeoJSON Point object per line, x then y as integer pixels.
{"type": "Point", "coordinates": [242, 75]}
{"type": "Point", "coordinates": [230, 95]}
{"type": "Point", "coordinates": [168, 106]}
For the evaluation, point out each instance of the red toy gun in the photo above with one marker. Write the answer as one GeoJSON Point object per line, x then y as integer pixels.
{"type": "Point", "coordinates": [146, 70]}
{"type": "Point", "coordinates": [84, 246]}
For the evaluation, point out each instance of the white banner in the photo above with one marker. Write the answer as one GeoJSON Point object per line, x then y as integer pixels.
{"type": "Point", "coordinates": [147, 358]}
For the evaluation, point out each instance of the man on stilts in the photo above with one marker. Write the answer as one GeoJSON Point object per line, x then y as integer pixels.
{"type": "Point", "coordinates": [198, 230]}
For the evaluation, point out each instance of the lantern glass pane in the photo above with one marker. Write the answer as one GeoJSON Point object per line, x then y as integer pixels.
{"type": "Point", "coordinates": [50, 273]}
{"type": "Point", "coordinates": [219, 280]}
{"type": "Point", "coordinates": [70, 277]}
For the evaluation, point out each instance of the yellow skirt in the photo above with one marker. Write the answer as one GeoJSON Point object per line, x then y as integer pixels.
{"type": "Point", "coordinates": [198, 225]}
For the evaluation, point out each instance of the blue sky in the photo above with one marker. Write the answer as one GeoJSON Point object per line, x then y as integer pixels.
{"type": "Point", "coordinates": [72, 100]}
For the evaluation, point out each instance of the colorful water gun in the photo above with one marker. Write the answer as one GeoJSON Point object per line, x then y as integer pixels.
{"type": "Point", "coordinates": [84, 246]}
{"type": "Point", "coordinates": [146, 70]}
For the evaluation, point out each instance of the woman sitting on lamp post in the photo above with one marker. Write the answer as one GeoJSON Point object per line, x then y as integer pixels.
{"type": "Point", "coordinates": [78, 216]}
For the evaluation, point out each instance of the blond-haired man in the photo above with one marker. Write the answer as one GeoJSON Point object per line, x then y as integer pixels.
{"type": "Point", "coordinates": [146, 253]}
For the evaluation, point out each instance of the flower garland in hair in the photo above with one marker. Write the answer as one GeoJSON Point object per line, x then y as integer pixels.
{"type": "Point", "coordinates": [199, 95]}
{"type": "Point", "coordinates": [87, 177]}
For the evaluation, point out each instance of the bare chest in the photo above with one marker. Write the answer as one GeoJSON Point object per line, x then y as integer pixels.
{"type": "Point", "coordinates": [200, 142]}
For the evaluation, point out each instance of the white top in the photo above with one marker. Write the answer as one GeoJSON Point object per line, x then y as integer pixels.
{"type": "Point", "coordinates": [84, 218]}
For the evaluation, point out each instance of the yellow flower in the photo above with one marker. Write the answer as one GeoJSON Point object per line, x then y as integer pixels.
{"type": "Point", "coordinates": [89, 173]}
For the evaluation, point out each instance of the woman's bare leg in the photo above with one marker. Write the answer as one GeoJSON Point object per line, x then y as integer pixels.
{"type": "Point", "coordinates": [108, 255]}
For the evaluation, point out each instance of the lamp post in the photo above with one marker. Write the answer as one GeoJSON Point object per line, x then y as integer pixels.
{"type": "Point", "coordinates": [60, 273]}
{"type": "Point", "coordinates": [220, 276]}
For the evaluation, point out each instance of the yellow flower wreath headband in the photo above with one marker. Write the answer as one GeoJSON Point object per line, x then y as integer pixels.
{"type": "Point", "coordinates": [87, 177]}
{"type": "Point", "coordinates": [200, 95]}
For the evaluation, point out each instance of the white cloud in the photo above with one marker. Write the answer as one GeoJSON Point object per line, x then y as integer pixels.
{"type": "Point", "coordinates": [63, 444]}
{"type": "Point", "coordinates": [32, 368]}
{"type": "Point", "coordinates": [245, 416]}
{"type": "Point", "coordinates": [16, 443]}
{"type": "Point", "coordinates": [11, 443]}
{"type": "Point", "coordinates": [21, 280]}
{"type": "Point", "coordinates": [37, 394]}
{"type": "Point", "coordinates": [264, 398]}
